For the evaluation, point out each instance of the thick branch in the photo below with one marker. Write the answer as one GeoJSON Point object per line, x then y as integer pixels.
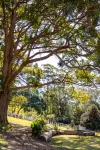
{"type": "Point", "coordinates": [14, 74]}
{"type": "Point", "coordinates": [37, 86]}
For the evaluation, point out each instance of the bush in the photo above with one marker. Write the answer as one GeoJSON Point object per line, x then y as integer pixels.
{"type": "Point", "coordinates": [49, 127]}
{"type": "Point", "coordinates": [38, 127]}
{"type": "Point", "coordinates": [91, 118]}
{"type": "Point", "coordinates": [56, 127]}
{"type": "Point", "coordinates": [5, 127]}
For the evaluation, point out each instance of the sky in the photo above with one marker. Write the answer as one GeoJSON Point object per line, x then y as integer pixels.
{"type": "Point", "coordinates": [53, 60]}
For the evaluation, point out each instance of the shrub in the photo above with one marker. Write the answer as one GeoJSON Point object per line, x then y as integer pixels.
{"type": "Point", "coordinates": [49, 127]}
{"type": "Point", "coordinates": [38, 127]}
{"type": "Point", "coordinates": [5, 127]}
{"type": "Point", "coordinates": [91, 118]}
{"type": "Point", "coordinates": [56, 127]}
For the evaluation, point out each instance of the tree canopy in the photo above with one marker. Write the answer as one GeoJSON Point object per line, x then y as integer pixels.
{"type": "Point", "coordinates": [34, 30]}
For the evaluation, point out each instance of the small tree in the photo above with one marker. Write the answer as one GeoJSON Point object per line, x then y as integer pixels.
{"type": "Point", "coordinates": [17, 103]}
{"type": "Point", "coordinates": [91, 118]}
{"type": "Point", "coordinates": [77, 114]}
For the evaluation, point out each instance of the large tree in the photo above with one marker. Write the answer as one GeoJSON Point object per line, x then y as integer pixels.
{"type": "Point", "coordinates": [34, 30]}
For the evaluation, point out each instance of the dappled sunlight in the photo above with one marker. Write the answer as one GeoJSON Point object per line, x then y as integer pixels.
{"type": "Point", "coordinates": [77, 142]}
{"type": "Point", "coordinates": [19, 121]}
{"type": "Point", "coordinates": [4, 145]}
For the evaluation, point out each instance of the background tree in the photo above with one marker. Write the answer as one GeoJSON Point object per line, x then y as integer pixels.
{"type": "Point", "coordinates": [17, 103]}
{"type": "Point", "coordinates": [37, 102]}
{"type": "Point", "coordinates": [78, 110]}
{"type": "Point", "coordinates": [34, 100]}
{"type": "Point", "coordinates": [91, 118]}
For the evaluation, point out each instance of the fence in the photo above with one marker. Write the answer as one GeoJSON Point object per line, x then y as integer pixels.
{"type": "Point", "coordinates": [21, 116]}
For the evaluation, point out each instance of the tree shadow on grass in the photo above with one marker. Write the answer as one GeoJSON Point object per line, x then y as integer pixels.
{"type": "Point", "coordinates": [4, 145]}
{"type": "Point", "coordinates": [23, 141]}
{"type": "Point", "coordinates": [20, 138]}
{"type": "Point", "coordinates": [77, 142]}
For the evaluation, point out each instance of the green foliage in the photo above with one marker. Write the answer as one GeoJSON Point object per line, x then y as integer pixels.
{"type": "Point", "coordinates": [5, 127]}
{"type": "Point", "coordinates": [56, 127]}
{"type": "Point", "coordinates": [91, 118]}
{"type": "Point", "coordinates": [79, 109]}
{"type": "Point", "coordinates": [77, 116]}
{"type": "Point", "coordinates": [30, 112]}
{"type": "Point", "coordinates": [33, 73]}
{"type": "Point", "coordinates": [55, 95]}
{"type": "Point", "coordinates": [17, 103]}
{"type": "Point", "coordinates": [80, 95]}
{"type": "Point", "coordinates": [84, 75]}
{"type": "Point", "coordinates": [49, 127]}
{"type": "Point", "coordinates": [34, 101]}
{"type": "Point", "coordinates": [38, 126]}
{"type": "Point", "coordinates": [50, 117]}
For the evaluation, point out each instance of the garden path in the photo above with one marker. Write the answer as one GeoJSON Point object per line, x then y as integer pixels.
{"type": "Point", "coordinates": [20, 139]}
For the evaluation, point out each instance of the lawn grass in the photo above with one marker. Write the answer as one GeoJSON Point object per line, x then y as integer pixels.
{"type": "Point", "coordinates": [66, 127]}
{"type": "Point", "coordinates": [19, 121]}
{"type": "Point", "coordinates": [3, 144]}
{"type": "Point", "coordinates": [74, 142]}
{"type": "Point", "coordinates": [63, 127]}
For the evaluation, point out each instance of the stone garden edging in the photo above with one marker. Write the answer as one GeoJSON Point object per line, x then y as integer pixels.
{"type": "Point", "coordinates": [47, 136]}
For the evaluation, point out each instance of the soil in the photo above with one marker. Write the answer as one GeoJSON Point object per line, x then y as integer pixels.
{"type": "Point", "coordinates": [20, 138]}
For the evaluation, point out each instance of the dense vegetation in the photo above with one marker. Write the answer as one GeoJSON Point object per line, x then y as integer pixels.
{"type": "Point", "coordinates": [91, 118]}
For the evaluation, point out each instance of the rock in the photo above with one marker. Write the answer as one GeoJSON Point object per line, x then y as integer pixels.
{"type": "Point", "coordinates": [86, 133]}
{"type": "Point", "coordinates": [46, 136]}
{"type": "Point", "coordinates": [89, 133]}
{"type": "Point", "coordinates": [54, 132]}
{"type": "Point", "coordinates": [61, 132]}
{"type": "Point", "coordinates": [70, 132]}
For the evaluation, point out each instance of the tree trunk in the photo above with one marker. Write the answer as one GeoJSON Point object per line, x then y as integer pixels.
{"type": "Point", "coordinates": [4, 101]}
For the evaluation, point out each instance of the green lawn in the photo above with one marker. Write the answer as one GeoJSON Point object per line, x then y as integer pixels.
{"type": "Point", "coordinates": [4, 145]}
{"type": "Point", "coordinates": [73, 142]}
{"type": "Point", "coordinates": [67, 127]}
{"type": "Point", "coordinates": [19, 121]}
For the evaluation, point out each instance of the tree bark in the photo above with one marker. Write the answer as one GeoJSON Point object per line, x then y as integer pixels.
{"type": "Point", "coordinates": [4, 101]}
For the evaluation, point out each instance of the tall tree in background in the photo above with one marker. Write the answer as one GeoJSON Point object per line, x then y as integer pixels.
{"type": "Point", "coordinates": [34, 30]}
